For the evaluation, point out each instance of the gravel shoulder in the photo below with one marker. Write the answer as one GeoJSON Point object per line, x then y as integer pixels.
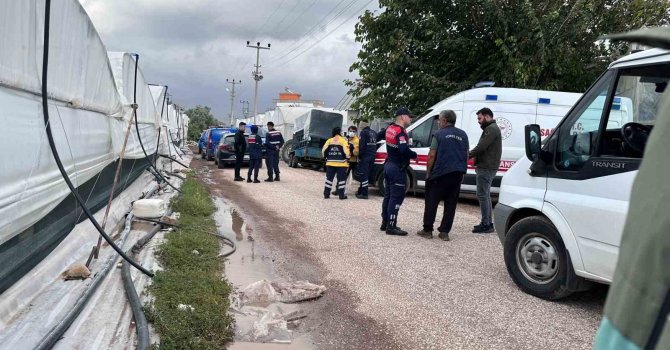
{"type": "Point", "coordinates": [399, 292]}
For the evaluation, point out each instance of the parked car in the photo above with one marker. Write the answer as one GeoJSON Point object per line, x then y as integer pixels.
{"type": "Point", "coordinates": [513, 109]}
{"type": "Point", "coordinates": [562, 207]}
{"type": "Point", "coordinates": [212, 137]}
{"type": "Point", "coordinates": [225, 154]}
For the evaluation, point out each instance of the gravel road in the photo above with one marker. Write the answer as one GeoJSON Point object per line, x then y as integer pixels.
{"type": "Point", "coordinates": [400, 292]}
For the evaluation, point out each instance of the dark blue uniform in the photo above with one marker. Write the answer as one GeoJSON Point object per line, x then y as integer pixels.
{"type": "Point", "coordinates": [444, 184]}
{"type": "Point", "coordinates": [273, 142]}
{"type": "Point", "coordinates": [397, 161]}
{"type": "Point", "coordinates": [367, 148]}
{"type": "Point", "coordinates": [255, 156]}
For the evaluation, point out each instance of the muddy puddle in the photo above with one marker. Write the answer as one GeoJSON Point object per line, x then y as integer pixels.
{"type": "Point", "coordinates": [247, 265]}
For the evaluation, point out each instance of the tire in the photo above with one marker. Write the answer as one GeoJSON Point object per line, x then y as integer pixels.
{"type": "Point", "coordinates": [286, 151]}
{"type": "Point", "coordinates": [544, 272]}
{"type": "Point", "coordinates": [220, 164]}
{"type": "Point", "coordinates": [292, 162]}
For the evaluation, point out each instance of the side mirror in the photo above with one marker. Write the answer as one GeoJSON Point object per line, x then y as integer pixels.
{"type": "Point", "coordinates": [533, 141]}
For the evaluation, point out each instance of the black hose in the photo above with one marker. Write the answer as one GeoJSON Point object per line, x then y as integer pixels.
{"type": "Point", "coordinates": [137, 126]}
{"type": "Point", "coordinates": [57, 331]}
{"type": "Point", "coordinates": [228, 242]}
{"type": "Point", "coordinates": [156, 221]}
{"type": "Point", "coordinates": [174, 160]}
{"type": "Point", "coordinates": [141, 324]}
{"type": "Point", "coordinates": [54, 151]}
{"type": "Point", "coordinates": [158, 141]}
{"type": "Point", "coordinates": [176, 175]}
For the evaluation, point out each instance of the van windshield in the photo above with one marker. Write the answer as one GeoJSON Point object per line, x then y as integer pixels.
{"type": "Point", "coordinates": [628, 123]}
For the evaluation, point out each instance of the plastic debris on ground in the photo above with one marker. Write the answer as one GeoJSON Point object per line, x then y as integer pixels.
{"type": "Point", "coordinates": [285, 292]}
{"type": "Point", "coordinates": [184, 307]}
{"type": "Point", "coordinates": [263, 315]}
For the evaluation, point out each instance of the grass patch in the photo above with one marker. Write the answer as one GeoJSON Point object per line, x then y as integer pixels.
{"type": "Point", "coordinates": [191, 279]}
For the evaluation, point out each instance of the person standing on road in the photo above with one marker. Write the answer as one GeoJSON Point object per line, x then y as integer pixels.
{"type": "Point", "coordinates": [255, 154]}
{"type": "Point", "coordinates": [487, 155]}
{"type": "Point", "coordinates": [240, 147]}
{"type": "Point", "coordinates": [366, 159]}
{"type": "Point", "coordinates": [336, 152]}
{"type": "Point", "coordinates": [447, 163]}
{"type": "Point", "coordinates": [353, 140]}
{"type": "Point", "coordinates": [273, 142]}
{"type": "Point", "coordinates": [397, 162]}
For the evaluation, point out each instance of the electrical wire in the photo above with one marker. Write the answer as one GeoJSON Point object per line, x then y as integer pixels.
{"type": "Point", "coordinates": [329, 33]}
{"type": "Point", "coordinates": [54, 150]}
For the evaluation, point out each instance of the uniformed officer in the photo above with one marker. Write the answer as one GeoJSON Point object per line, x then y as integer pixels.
{"type": "Point", "coordinates": [447, 163]}
{"type": "Point", "coordinates": [397, 161]}
{"type": "Point", "coordinates": [366, 159]}
{"type": "Point", "coordinates": [240, 147]}
{"type": "Point", "coordinates": [255, 154]}
{"type": "Point", "coordinates": [273, 142]}
{"type": "Point", "coordinates": [336, 152]}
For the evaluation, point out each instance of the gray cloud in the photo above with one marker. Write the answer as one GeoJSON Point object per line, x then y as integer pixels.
{"type": "Point", "coordinates": [193, 46]}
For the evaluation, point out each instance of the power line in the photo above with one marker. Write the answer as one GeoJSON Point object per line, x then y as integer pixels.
{"type": "Point", "coordinates": [318, 24]}
{"type": "Point", "coordinates": [329, 33]}
{"type": "Point", "coordinates": [286, 15]}
{"type": "Point", "coordinates": [296, 19]}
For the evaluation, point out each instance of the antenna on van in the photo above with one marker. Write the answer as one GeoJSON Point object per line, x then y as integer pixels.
{"type": "Point", "coordinates": [485, 83]}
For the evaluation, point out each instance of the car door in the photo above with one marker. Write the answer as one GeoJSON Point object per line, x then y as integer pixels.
{"type": "Point", "coordinates": [593, 171]}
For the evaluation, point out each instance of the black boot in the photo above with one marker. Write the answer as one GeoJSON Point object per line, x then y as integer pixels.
{"type": "Point", "coordinates": [248, 179]}
{"type": "Point", "coordinates": [269, 179]}
{"type": "Point", "coordinates": [395, 231]}
{"type": "Point", "coordinates": [277, 178]}
{"type": "Point", "coordinates": [256, 181]}
{"type": "Point", "coordinates": [383, 226]}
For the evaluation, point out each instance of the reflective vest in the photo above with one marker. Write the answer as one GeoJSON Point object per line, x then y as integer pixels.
{"type": "Point", "coordinates": [336, 152]}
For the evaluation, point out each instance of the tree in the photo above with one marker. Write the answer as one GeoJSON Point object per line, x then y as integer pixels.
{"type": "Point", "coordinates": [200, 118]}
{"type": "Point", "coordinates": [417, 52]}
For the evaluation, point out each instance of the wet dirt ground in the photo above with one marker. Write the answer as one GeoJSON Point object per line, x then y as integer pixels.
{"type": "Point", "coordinates": [388, 292]}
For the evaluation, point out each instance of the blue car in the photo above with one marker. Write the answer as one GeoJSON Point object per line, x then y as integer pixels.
{"type": "Point", "coordinates": [212, 137]}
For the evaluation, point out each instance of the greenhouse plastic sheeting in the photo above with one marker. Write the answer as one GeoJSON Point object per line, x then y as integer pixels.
{"type": "Point", "coordinates": [123, 70]}
{"type": "Point", "coordinates": [79, 76]}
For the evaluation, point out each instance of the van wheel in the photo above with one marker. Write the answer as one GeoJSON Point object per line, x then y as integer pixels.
{"type": "Point", "coordinates": [536, 258]}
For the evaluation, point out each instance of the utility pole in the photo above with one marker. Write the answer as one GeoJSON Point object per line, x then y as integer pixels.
{"type": "Point", "coordinates": [257, 74]}
{"type": "Point", "coordinates": [232, 97]}
{"type": "Point", "coordinates": [245, 110]}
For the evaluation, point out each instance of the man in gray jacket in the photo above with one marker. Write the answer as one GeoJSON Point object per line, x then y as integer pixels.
{"type": "Point", "coordinates": [487, 155]}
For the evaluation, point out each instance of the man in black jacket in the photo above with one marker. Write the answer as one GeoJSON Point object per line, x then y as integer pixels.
{"type": "Point", "coordinates": [240, 146]}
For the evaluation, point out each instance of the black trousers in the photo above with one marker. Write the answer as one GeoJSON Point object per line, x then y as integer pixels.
{"type": "Point", "coordinates": [444, 188]}
{"type": "Point", "coordinates": [341, 173]}
{"type": "Point", "coordinates": [254, 166]}
{"type": "Point", "coordinates": [239, 158]}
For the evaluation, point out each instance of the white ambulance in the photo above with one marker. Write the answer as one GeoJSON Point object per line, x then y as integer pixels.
{"type": "Point", "coordinates": [562, 207]}
{"type": "Point", "coordinates": [512, 109]}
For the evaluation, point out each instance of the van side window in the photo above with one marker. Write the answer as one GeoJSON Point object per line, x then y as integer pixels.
{"type": "Point", "coordinates": [578, 135]}
{"type": "Point", "coordinates": [421, 134]}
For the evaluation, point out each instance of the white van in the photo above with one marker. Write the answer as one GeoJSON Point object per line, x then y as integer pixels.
{"type": "Point", "coordinates": [562, 208]}
{"type": "Point", "coordinates": [512, 109]}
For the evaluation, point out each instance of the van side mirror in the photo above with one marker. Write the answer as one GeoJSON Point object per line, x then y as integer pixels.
{"type": "Point", "coordinates": [533, 141]}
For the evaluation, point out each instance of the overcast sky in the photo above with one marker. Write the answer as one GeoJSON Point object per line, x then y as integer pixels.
{"type": "Point", "coordinates": [194, 45]}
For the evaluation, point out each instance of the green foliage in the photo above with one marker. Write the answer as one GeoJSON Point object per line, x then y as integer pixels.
{"type": "Point", "coordinates": [417, 52]}
{"type": "Point", "coordinates": [191, 279]}
{"type": "Point", "coordinates": [200, 118]}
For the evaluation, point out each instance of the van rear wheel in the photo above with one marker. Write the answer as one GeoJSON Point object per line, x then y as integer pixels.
{"type": "Point", "coordinates": [536, 258]}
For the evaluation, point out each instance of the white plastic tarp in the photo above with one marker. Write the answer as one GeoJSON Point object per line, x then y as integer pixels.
{"type": "Point", "coordinates": [123, 69]}
{"type": "Point", "coordinates": [81, 81]}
